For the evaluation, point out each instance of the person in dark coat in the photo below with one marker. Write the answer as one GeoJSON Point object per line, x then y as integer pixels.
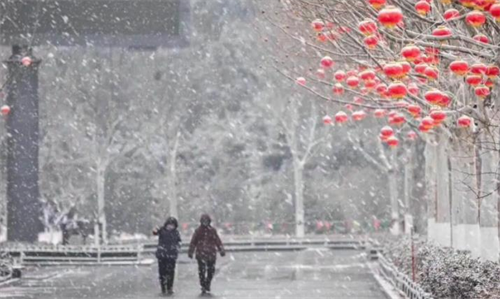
{"type": "Point", "coordinates": [205, 243]}
{"type": "Point", "coordinates": [169, 244]}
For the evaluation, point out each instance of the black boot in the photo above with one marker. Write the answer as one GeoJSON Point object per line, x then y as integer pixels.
{"type": "Point", "coordinates": [163, 290]}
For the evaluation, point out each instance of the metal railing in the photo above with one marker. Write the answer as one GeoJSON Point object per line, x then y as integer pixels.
{"type": "Point", "coordinates": [400, 280]}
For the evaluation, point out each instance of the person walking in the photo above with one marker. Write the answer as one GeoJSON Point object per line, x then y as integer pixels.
{"type": "Point", "coordinates": [205, 243]}
{"type": "Point", "coordinates": [169, 244]}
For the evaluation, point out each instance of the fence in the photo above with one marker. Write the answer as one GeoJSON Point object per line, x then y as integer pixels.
{"type": "Point", "coordinates": [400, 280]}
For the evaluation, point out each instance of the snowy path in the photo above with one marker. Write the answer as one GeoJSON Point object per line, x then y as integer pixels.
{"type": "Point", "coordinates": [306, 274]}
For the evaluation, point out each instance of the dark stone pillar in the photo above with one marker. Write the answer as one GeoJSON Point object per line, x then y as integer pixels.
{"type": "Point", "coordinates": [23, 205]}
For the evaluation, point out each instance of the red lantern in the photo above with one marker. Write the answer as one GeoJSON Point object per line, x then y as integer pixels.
{"type": "Point", "coordinates": [422, 7]}
{"type": "Point", "coordinates": [427, 122]}
{"type": "Point", "coordinates": [481, 38]}
{"type": "Point", "coordinates": [489, 83]}
{"type": "Point", "coordinates": [397, 120]}
{"type": "Point", "coordinates": [482, 91]}
{"type": "Point", "coordinates": [420, 68]}
{"type": "Point", "coordinates": [390, 16]}
{"type": "Point", "coordinates": [379, 113]}
{"type": "Point", "coordinates": [387, 131]}
{"type": "Point", "coordinates": [475, 18]}
{"type": "Point", "coordinates": [327, 120]}
{"type": "Point", "coordinates": [318, 25]}
{"type": "Point", "coordinates": [459, 67]}
{"type": "Point", "coordinates": [406, 68]}
{"type": "Point", "coordinates": [301, 81]}
{"type": "Point", "coordinates": [474, 80]}
{"type": "Point", "coordinates": [377, 4]}
{"type": "Point", "coordinates": [320, 73]}
{"type": "Point", "coordinates": [321, 37]}
{"type": "Point", "coordinates": [370, 84]}
{"type": "Point", "coordinates": [341, 117]}
{"type": "Point", "coordinates": [413, 89]}
{"type": "Point", "coordinates": [492, 71]}
{"type": "Point", "coordinates": [446, 2]}
{"type": "Point", "coordinates": [371, 42]}
{"type": "Point", "coordinates": [392, 141]}
{"type": "Point", "coordinates": [411, 135]}
{"type": "Point", "coordinates": [445, 101]}
{"type": "Point", "coordinates": [5, 110]}
{"type": "Point", "coordinates": [438, 116]}
{"type": "Point", "coordinates": [442, 31]}
{"type": "Point", "coordinates": [393, 70]}
{"type": "Point", "coordinates": [414, 110]}
{"type": "Point", "coordinates": [431, 73]}
{"type": "Point", "coordinates": [358, 115]}
{"type": "Point", "coordinates": [327, 62]}
{"type": "Point", "coordinates": [381, 89]}
{"type": "Point", "coordinates": [467, 3]}
{"type": "Point", "coordinates": [338, 89]}
{"type": "Point", "coordinates": [368, 27]}
{"type": "Point", "coordinates": [397, 90]}
{"type": "Point", "coordinates": [352, 82]}
{"type": "Point", "coordinates": [464, 121]}
{"type": "Point", "coordinates": [495, 11]}
{"type": "Point", "coordinates": [367, 75]}
{"type": "Point", "coordinates": [478, 68]}
{"type": "Point", "coordinates": [339, 76]}
{"type": "Point", "coordinates": [348, 107]}
{"type": "Point", "coordinates": [434, 96]}
{"type": "Point", "coordinates": [451, 14]}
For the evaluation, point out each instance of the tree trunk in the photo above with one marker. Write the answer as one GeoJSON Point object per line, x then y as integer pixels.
{"type": "Point", "coordinates": [172, 178]}
{"type": "Point", "coordinates": [299, 198]}
{"type": "Point", "coordinates": [443, 212]}
{"type": "Point", "coordinates": [408, 184]}
{"type": "Point", "coordinates": [393, 194]}
{"type": "Point", "coordinates": [430, 185]}
{"type": "Point", "coordinates": [489, 203]}
{"type": "Point", "coordinates": [100, 183]}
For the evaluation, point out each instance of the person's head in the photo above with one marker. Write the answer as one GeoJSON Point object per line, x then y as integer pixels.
{"type": "Point", "coordinates": [205, 220]}
{"type": "Point", "coordinates": [171, 223]}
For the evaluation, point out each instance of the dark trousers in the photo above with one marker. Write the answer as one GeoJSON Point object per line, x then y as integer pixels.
{"type": "Point", "coordinates": [206, 270]}
{"type": "Point", "coordinates": [166, 269]}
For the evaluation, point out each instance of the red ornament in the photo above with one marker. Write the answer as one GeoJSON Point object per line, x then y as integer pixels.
{"type": "Point", "coordinates": [413, 89]}
{"type": "Point", "coordinates": [459, 67]}
{"type": "Point", "coordinates": [473, 80]}
{"type": "Point", "coordinates": [434, 96]}
{"type": "Point", "coordinates": [451, 14]}
{"type": "Point", "coordinates": [358, 115]}
{"type": "Point", "coordinates": [427, 122]}
{"type": "Point", "coordinates": [482, 91]}
{"type": "Point", "coordinates": [467, 3]}
{"type": "Point", "coordinates": [318, 25]}
{"type": "Point", "coordinates": [393, 70]}
{"type": "Point", "coordinates": [348, 107]}
{"type": "Point", "coordinates": [338, 89]}
{"type": "Point", "coordinates": [370, 84]}
{"type": "Point", "coordinates": [397, 120]}
{"type": "Point", "coordinates": [5, 110]}
{"type": "Point", "coordinates": [422, 7]}
{"type": "Point", "coordinates": [397, 90]}
{"type": "Point", "coordinates": [431, 73]}
{"type": "Point", "coordinates": [386, 131]}
{"type": "Point", "coordinates": [327, 120]}
{"type": "Point", "coordinates": [367, 75]}
{"type": "Point", "coordinates": [390, 16]}
{"type": "Point", "coordinates": [492, 71]}
{"type": "Point", "coordinates": [442, 31]}
{"type": "Point", "coordinates": [481, 38]}
{"type": "Point", "coordinates": [320, 73]}
{"type": "Point", "coordinates": [475, 18]}
{"type": "Point", "coordinates": [392, 141]}
{"type": "Point", "coordinates": [377, 4]}
{"type": "Point", "coordinates": [464, 121]}
{"type": "Point", "coordinates": [495, 11]}
{"type": "Point", "coordinates": [321, 37]}
{"type": "Point", "coordinates": [339, 76]}
{"type": "Point", "coordinates": [341, 117]}
{"type": "Point", "coordinates": [414, 110]}
{"type": "Point", "coordinates": [438, 116]}
{"type": "Point", "coordinates": [368, 27]}
{"type": "Point", "coordinates": [379, 113]}
{"type": "Point", "coordinates": [412, 135]}
{"type": "Point", "coordinates": [478, 68]}
{"type": "Point", "coordinates": [406, 68]}
{"type": "Point", "coordinates": [327, 62]}
{"type": "Point", "coordinates": [371, 42]}
{"type": "Point", "coordinates": [301, 81]}
{"type": "Point", "coordinates": [381, 89]}
{"type": "Point", "coordinates": [489, 83]}
{"type": "Point", "coordinates": [420, 68]}
{"type": "Point", "coordinates": [352, 82]}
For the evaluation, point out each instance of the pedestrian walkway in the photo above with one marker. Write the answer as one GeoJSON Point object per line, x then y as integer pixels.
{"type": "Point", "coordinates": [309, 274]}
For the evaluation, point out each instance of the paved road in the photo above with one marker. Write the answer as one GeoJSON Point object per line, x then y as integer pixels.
{"type": "Point", "coordinates": [306, 274]}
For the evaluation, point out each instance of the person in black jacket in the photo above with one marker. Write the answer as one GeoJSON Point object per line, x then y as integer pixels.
{"type": "Point", "coordinates": [169, 243]}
